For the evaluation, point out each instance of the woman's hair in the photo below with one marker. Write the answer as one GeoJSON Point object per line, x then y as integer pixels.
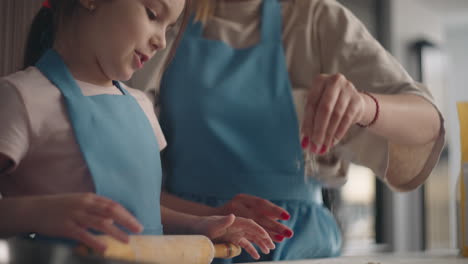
{"type": "Point", "coordinates": [204, 10]}
{"type": "Point", "coordinates": [185, 19]}
{"type": "Point", "coordinates": [43, 29]}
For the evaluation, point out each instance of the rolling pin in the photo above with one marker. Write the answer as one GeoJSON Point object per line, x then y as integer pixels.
{"type": "Point", "coordinates": [180, 249]}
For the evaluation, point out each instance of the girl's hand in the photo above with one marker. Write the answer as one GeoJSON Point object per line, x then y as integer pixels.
{"type": "Point", "coordinates": [73, 215]}
{"type": "Point", "coordinates": [333, 105]}
{"type": "Point", "coordinates": [263, 212]}
{"type": "Point", "coordinates": [236, 230]}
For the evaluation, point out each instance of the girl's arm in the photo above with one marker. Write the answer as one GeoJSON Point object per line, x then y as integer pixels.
{"type": "Point", "coordinates": [236, 230]}
{"type": "Point", "coordinates": [176, 222]}
{"type": "Point", "coordinates": [262, 211]}
{"type": "Point", "coordinates": [186, 206]}
{"type": "Point", "coordinates": [14, 211]}
{"type": "Point", "coordinates": [66, 216]}
{"type": "Point", "coordinates": [16, 217]}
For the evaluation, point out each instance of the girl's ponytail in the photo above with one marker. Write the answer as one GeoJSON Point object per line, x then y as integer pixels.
{"type": "Point", "coordinates": [41, 36]}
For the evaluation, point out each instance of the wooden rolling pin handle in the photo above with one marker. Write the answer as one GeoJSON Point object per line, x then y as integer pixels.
{"type": "Point", "coordinates": [226, 250]}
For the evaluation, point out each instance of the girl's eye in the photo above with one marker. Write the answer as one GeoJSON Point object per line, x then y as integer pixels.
{"type": "Point", "coordinates": [151, 14]}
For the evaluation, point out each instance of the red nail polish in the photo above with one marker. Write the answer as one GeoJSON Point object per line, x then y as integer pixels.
{"type": "Point", "coordinates": [279, 238]}
{"type": "Point", "coordinates": [323, 150]}
{"type": "Point", "coordinates": [288, 233]}
{"type": "Point", "coordinates": [285, 216]}
{"type": "Point", "coordinates": [305, 142]}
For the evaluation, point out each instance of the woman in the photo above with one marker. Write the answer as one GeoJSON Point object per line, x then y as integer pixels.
{"type": "Point", "coordinates": [265, 81]}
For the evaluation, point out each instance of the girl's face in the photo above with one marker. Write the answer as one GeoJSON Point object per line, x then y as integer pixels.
{"type": "Point", "coordinates": [124, 34]}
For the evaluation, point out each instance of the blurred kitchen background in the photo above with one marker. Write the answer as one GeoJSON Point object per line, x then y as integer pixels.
{"type": "Point", "coordinates": [430, 39]}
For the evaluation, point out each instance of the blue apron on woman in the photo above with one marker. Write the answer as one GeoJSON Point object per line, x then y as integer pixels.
{"type": "Point", "coordinates": [117, 143]}
{"type": "Point", "coordinates": [231, 127]}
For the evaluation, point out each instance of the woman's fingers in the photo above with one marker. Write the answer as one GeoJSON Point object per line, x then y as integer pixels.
{"type": "Point", "coordinates": [346, 122]}
{"type": "Point", "coordinates": [256, 223]}
{"type": "Point", "coordinates": [263, 207]}
{"type": "Point", "coordinates": [324, 111]}
{"type": "Point", "coordinates": [241, 207]}
{"type": "Point", "coordinates": [263, 212]}
{"type": "Point", "coordinates": [276, 238]}
{"type": "Point", "coordinates": [267, 223]}
{"type": "Point", "coordinates": [332, 108]}
{"type": "Point", "coordinates": [274, 227]}
{"type": "Point", "coordinates": [313, 99]}
{"type": "Point", "coordinates": [339, 113]}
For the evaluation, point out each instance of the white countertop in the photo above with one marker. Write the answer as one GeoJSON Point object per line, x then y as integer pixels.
{"type": "Point", "coordinates": [383, 259]}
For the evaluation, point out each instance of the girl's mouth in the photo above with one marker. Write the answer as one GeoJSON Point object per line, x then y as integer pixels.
{"type": "Point", "coordinates": [141, 59]}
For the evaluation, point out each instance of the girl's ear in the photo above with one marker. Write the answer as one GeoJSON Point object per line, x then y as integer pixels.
{"type": "Point", "coordinates": [88, 4]}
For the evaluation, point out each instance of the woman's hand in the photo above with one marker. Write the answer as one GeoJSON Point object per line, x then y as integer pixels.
{"type": "Point", "coordinates": [333, 106]}
{"type": "Point", "coordinates": [262, 211]}
{"type": "Point", "coordinates": [73, 215]}
{"type": "Point", "coordinates": [236, 230]}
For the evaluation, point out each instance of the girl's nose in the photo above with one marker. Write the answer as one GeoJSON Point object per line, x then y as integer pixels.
{"type": "Point", "coordinates": [158, 42]}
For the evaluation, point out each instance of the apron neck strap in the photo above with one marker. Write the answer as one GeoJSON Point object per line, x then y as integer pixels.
{"type": "Point", "coordinates": [194, 28]}
{"type": "Point", "coordinates": [120, 87]}
{"type": "Point", "coordinates": [55, 69]}
{"type": "Point", "coordinates": [271, 23]}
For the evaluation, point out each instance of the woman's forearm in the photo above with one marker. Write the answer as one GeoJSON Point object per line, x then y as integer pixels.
{"type": "Point", "coordinates": [404, 119]}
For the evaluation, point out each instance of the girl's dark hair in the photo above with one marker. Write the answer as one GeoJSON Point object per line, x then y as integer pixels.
{"type": "Point", "coordinates": [41, 35]}
{"type": "Point", "coordinates": [44, 27]}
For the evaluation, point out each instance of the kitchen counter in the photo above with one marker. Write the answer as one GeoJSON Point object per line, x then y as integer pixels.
{"type": "Point", "coordinates": [384, 259]}
{"type": "Point", "coordinates": [25, 252]}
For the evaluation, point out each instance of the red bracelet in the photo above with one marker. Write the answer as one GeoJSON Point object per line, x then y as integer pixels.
{"type": "Point", "coordinates": [377, 110]}
{"type": "Point", "coordinates": [46, 4]}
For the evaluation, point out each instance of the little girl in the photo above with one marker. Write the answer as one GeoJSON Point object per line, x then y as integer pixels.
{"type": "Point", "coordinates": [79, 151]}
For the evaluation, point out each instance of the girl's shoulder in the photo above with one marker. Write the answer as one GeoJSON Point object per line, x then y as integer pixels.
{"type": "Point", "coordinates": [35, 92]}
{"type": "Point", "coordinates": [27, 80]}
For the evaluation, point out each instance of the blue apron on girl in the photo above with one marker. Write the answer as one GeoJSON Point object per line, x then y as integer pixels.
{"type": "Point", "coordinates": [117, 142]}
{"type": "Point", "coordinates": [232, 128]}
